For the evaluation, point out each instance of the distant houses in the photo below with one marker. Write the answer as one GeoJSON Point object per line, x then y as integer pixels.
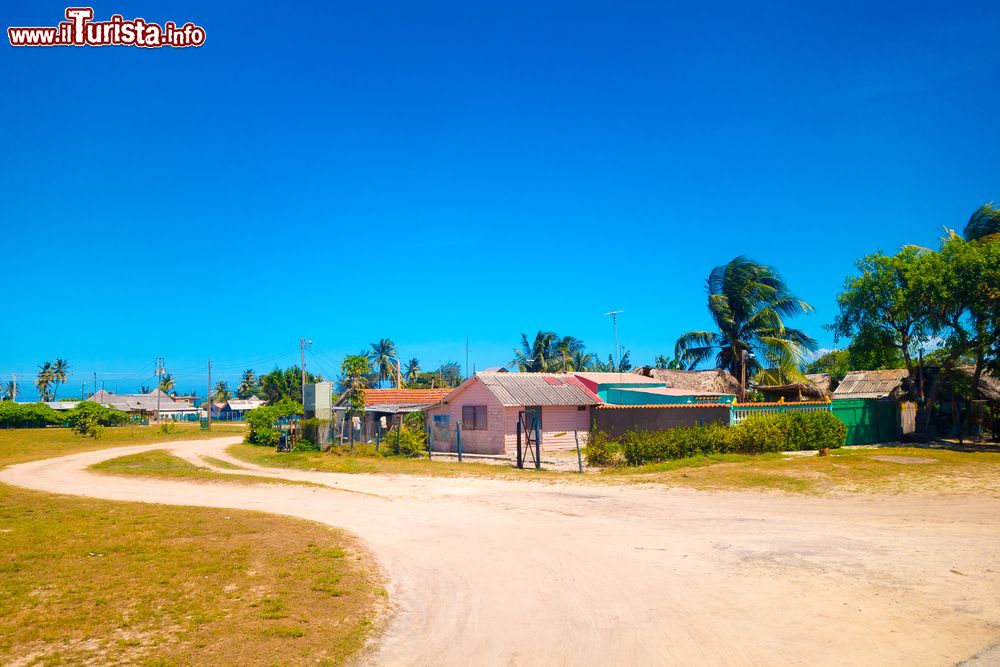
{"type": "Point", "coordinates": [156, 404]}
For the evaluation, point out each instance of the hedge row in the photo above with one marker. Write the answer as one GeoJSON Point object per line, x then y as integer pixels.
{"type": "Point", "coordinates": [39, 415]}
{"type": "Point", "coordinates": [775, 432]}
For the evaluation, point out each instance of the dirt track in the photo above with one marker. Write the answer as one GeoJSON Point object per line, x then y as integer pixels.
{"type": "Point", "coordinates": [490, 572]}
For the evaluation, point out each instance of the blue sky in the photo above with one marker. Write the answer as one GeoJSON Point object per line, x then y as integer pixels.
{"type": "Point", "coordinates": [427, 171]}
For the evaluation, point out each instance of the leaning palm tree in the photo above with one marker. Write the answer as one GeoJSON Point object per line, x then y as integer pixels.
{"type": "Point", "coordinates": [412, 370]}
{"type": "Point", "coordinates": [59, 369]}
{"type": "Point", "coordinates": [383, 359]}
{"type": "Point", "coordinates": [538, 356]}
{"type": "Point", "coordinates": [221, 394]}
{"type": "Point", "coordinates": [11, 390]}
{"type": "Point", "coordinates": [747, 302]}
{"type": "Point", "coordinates": [984, 223]}
{"type": "Point", "coordinates": [565, 348]}
{"type": "Point", "coordinates": [166, 383]}
{"type": "Point", "coordinates": [44, 382]}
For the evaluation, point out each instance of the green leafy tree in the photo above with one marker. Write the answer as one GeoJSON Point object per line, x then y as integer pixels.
{"type": "Point", "coordinates": [247, 385]}
{"type": "Point", "coordinates": [582, 361]}
{"type": "Point", "coordinates": [537, 356]}
{"type": "Point", "coordinates": [383, 359]}
{"type": "Point", "coordinates": [285, 383]}
{"type": "Point", "coordinates": [623, 365]}
{"type": "Point", "coordinates": [984, 224]}
{"type": "Point", "coordinates": [145, 389]}
{"type": "Point", "coordinates": [355, 371]}
{"type": "Point", "coordinates": [450, 373]}
{"type": "Point", "coordinates": [748, 303]}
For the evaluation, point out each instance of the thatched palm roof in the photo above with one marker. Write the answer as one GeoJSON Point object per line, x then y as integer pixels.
{"type": "Point", "coordinates": [715, 381]}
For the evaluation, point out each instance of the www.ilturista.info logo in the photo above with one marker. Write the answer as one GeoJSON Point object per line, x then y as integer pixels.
{"type": "Point", "coordinates": [81, 30]}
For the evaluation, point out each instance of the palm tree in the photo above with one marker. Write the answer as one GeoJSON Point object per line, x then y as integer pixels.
{"type": "Point", "coordinates": [665, 362]}
{"type": "Point", "coordinates": [221, 394]}
{"type": "Point", "coordinates": [59, 369]}
{"type": "Point", "coordinates": [412, 370]}
{"type": "Point", "coordinates": [624, 364]}
{"type": "Point", "coordinates": [582, 361]}
{"type": "Point", "coordinates": [538, 356]}
{"type": "Point", "coordinates": [144, 389]}
{"type": "Point", "coordinates": [984, 223]}
{"type": "Point", "coordinates": [11, 390]}
{"type": "Point", "coordinates": [166, 383]}
{"type": "Point", "coordinates": [248, 383]}
{"type": "Point", "coordinates": [44, 382]}
{"type": "Point", "coordinates": [383, 359]}
{"type": "Point", "coordinates": [747, 302]}
{"type": "Point", "coordinates": [566, 349]}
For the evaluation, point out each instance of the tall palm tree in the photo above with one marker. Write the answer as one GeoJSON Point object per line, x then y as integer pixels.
{"type": "Point", "coordinates": [412, 370]}
{"type": "Point", "coordinates": [11, 390]}
{"type": "Point", "coordinates": [566, 348]}
{"type": "Point", "coordinates": [166, 383]}
{"type": "Point", "coordinates": [383, 359]}
{"type": "Point", "coordinates": [248, 383]}
{"type": "Point", "coordinates": [44, 382]}
{"type": "Point", "coordinates": [984, 223]}
{"type": "Point", "coordinates": [538, 356]}
{"type": "Point", "coordinates": [624, 363]}
{"type": "Point", "coordinates": [59, 369]}
{"type": "Point", "coordinates": [747, 302]}
{"type": "Point", "coordinates": [144, 389]}
{"type": "Point", "coordinates": [582, 361]}
{"type": "Point", "coordinates": [665, 362]}
{"type": "Point", "coordinates": [221, 394]}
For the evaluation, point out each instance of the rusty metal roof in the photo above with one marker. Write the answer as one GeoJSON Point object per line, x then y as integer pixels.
{"type": "Point", "coordinates": [871, 384]}
{"type": "Point", "coordinates": [514, 389]}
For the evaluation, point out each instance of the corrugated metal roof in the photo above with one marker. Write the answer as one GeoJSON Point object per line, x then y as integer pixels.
{"type": "Point", "coordinates": [617, 378]}
{"type": "Point", "coordinates": [513, 389]}
{"type": "Point", "coordinates": [871, 384]}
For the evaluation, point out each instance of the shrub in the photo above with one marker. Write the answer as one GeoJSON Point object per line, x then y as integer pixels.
{"type": "Point", "coordinates": [758, 434]}
{"type": "Point", "coordinates": [96, 413]}
{"type": "Point", "coordinates": [412, 442]}
{"type": "Point", "coordinates": [28, 415]}
{"type": "Point", "coordinates": [260, 421]}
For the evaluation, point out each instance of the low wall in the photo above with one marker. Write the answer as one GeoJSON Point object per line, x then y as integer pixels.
{"type": "Point", "coordinates": [617, 419]}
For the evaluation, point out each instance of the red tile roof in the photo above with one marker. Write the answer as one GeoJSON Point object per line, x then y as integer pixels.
{"type": "Point", "coordinates": [404, 396]}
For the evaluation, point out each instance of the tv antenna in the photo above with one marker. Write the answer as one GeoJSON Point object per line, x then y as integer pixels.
{"type": "Point", "coordinates": [614, 323]}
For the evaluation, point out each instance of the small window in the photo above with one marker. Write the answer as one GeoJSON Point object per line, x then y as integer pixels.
{"type": "Point", "coordinates": [474, 417]}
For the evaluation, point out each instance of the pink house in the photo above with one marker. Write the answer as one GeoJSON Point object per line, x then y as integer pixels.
{"type": "Point", "coordinates": [486, 409]}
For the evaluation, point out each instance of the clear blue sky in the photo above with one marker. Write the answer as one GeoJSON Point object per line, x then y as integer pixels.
{"type": "Point", "coordinates": [423, 171]}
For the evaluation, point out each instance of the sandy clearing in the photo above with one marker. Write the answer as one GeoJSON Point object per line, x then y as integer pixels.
{"type": "Point", "coordinates": [505, 572]}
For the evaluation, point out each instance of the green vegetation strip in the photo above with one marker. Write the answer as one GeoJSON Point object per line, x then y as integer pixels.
{"type": "Point", "coordinates": [86, 581]}
{"type": "Point", "coordinates": [159, 463]}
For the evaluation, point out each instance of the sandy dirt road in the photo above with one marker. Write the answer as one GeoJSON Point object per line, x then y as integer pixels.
{"type": "Point", "coordinates": [495, 572]}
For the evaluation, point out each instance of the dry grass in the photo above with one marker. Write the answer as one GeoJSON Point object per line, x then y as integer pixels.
{"type": "Point", "coordinates": [96, 582]}
{"type": "Point", "coordinates": [18, 445]}
{"type": "Point", "coordinates": [852, 470]}
{"type": "Point", "coordinates": [87, 581]}
{"type": "Point", "coordinates": [161, 464]}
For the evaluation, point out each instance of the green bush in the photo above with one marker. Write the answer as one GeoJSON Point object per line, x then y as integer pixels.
{"type": "Point", "coordinates": [95, 413]}
{"type": "Point", "coordinates": [29, 415]}
{"type": "Point", "coordinates": [260, 421]}
{"type": "Point", "coordinates": [758, 434]}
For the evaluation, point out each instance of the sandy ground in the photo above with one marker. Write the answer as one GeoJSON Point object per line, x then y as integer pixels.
{"type": "Point", "coordinates": [495, 572]}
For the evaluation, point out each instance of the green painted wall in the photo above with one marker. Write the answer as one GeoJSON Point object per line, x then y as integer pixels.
{"type": "Point", "coordinates": [868, 420]}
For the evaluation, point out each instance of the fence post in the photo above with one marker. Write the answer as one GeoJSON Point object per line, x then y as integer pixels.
{"type": "Point", "coordinates": [399, 427]}
{"type": "Point", "coordinates": [538, 446]}
{"type": "Point", "coordinates": [579, 459]}
{"type": "Point", "coordinates": [520, 461]}
{"type": "Point", "coordinates": [458, 440]}
{"type": "Point", "coordinates": [378, 435]}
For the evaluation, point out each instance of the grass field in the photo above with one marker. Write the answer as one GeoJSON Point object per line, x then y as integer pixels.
{"type": "Point", "coordinates": [851, 470]}
{"type": "Point", "coordinates": [20, 445]}
{"type": "Point", "coordinates": [161, 464]}
{"type": "Point", "coordinates": [87, 581]}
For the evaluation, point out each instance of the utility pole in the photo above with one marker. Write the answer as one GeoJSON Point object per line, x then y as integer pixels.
{"type": "Point", "coordinates": [159, 380]}
{"type": "Point", "coordinates": [743, 377]}
{"type": "Point", "coordinates": [302, 352]}
{"type": "Point", "coordinates": [614, 323]}
{"type": "Point", "coordinates": [208, 401]}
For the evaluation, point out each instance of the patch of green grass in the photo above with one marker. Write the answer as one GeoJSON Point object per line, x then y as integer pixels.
{"type": "Point", "coordinates": [162, 464]}
{"type": "Point", "coordinates": [18, 445]}
{"type": "Point", "coordinates": [219, 463]}
{"type": "Point", "coordinates": [89, 581]}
